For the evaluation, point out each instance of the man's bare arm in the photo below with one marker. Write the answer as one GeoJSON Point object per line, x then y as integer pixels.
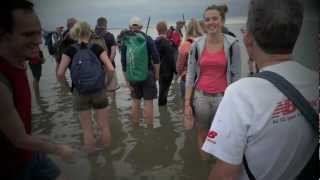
{"type": "Point", "coordinates": [113, 52]}
{"type": "Point", "coordinates": [13, 128]}
{"type": "Point", "coordinates": [224, 171]}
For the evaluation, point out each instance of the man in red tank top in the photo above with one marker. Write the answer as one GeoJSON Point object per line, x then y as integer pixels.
{"type": "Point", "coordinates": [21, 154]}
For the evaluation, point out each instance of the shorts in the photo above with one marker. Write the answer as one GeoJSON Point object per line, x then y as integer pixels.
{"type": "Point", "coordinates": [146, 89]}
{"type": "Point", "coordinates": [86, 102]}
{"type": "Point", "coordinates": [36, 70]}
{"type": "Point", "coordinates": [40, 167]}
{"type": "Point", "coordinates": [205, 107]}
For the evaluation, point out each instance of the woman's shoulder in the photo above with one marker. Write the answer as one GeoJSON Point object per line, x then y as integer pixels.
{"type": "Point", "coordinates": [230, 39]}
{"type": "Point", "coordinates": [199, 39]}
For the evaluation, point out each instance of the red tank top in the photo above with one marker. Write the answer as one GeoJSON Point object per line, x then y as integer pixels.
{"type": "Point", "coordinates": [12, 158]}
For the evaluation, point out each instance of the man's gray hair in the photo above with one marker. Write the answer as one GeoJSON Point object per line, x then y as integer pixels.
{"type": "Point", "coordinates": [275, 24]}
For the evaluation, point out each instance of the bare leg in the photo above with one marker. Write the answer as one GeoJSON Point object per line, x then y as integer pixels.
{"type": "Point", "coordinates": [135, 111]}
{"type": "Point", "coordinates": [202, 135]}
{"type": "Point", "coordinates": [88, 136]}
{"type": "Point", "coordinates": [148, 112]}
{"type": "Point", "coordinates": [103, 124]}
{"type": "Point", "coordinates": [36, 88]}
{"type": "Point", "coordinates": [64, 83]}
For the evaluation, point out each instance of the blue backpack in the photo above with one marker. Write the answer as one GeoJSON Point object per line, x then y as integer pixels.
{"type": "Point", "coordinates": [87, 73]}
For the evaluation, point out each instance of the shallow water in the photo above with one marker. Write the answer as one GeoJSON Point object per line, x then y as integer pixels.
{"type": "Point", "coordinates": [165, 152]}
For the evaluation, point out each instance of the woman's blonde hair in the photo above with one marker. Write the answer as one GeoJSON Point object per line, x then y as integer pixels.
{"type": "Point", "coordinates": [81, 30]}
{"type": "Point", "coordinates": [193, 29]}
{"type": "Point", "coordinates": [203, 28]}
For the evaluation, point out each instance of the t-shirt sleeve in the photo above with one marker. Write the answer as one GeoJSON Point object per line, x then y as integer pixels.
{"type": "Point", "coordinates": [112, 40]}
{"type": "Point", "coordinates": [98, 50]}
{"type": "Point", "coordinates": [70, 51]}
{"type": "Point", "coordinates": [227, 137]}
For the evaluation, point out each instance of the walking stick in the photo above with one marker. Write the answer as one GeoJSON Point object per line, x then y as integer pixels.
{"type": "Point", "coordinates": [148, 25]}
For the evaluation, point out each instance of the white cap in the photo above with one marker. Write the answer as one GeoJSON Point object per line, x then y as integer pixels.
{"type": "Point", "coordinates": [135, 21]}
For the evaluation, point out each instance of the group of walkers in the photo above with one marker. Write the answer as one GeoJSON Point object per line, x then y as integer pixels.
{"type": "Point", "coordinates": [238, 121]}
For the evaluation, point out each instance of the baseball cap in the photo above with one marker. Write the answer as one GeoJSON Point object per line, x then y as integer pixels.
{"type": "Point", "coordinates": [135, 21]}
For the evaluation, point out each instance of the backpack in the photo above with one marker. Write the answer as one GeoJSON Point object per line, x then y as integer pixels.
{"type": "Point", "coordinates": [50, 44]}
{"type": "Point", "coordinates": [99, 40]}
{"type": "Point", "coordinates": [167, 58]}
{"type": "Point", "coordinates": [136, 57]}
{"type": "Point", "coordinates": [87, 73]}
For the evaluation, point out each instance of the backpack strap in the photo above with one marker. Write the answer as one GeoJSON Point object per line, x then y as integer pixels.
{"type": "Point", "coordinates": [297, 99]}
{"type": "Point", "coordinates": [6, 82]}
{"type": "Point", "coordinates": [246, 167]}
{"type": "Point", "coordinates": [231, 53]}
{"type": "Point", "coordinates": [196, 54]}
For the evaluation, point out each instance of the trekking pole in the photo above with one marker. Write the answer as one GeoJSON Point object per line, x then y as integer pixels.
{"type": "Point", "coordinates": [184, 24]}
{"type": "Point", "coordinates": [148, 25]}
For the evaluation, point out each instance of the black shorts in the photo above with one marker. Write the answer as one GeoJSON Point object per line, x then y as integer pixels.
{"type": "Point", "coordinates": [36, 70]}
{"type": "Point", "coordinates": [146, 89]}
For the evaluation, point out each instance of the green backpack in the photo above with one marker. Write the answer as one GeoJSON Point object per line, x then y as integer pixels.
{"type": "Point", "coordinates": [136, 56]}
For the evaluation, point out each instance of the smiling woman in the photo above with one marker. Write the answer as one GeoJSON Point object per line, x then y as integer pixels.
{"type": "Point", "coordinates": [218, 59]}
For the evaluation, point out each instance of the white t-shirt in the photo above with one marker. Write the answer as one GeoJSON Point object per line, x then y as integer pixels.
{"type": "Point", "coordinates": [255, 118]}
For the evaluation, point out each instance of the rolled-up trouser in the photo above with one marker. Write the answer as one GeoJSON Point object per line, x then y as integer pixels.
{"type": "Point", "coordinates": [205, 106]}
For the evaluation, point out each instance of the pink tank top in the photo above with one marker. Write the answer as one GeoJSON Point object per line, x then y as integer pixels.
{"type": "Point", "coordinates": [213, 72]}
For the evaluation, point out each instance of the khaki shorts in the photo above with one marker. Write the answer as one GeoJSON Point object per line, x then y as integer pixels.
{"type": "Point", "coordinates": [205, 107]}
{"type": "Point", "coordinates": [86, 102]}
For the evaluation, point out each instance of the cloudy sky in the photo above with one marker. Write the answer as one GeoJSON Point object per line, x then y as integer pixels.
{"type": "Point", "coordinates": [54, 13]}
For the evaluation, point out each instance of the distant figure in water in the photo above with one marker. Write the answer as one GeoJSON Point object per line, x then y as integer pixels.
{"type": "Point", "coordinates": [35, 64]}
{"type": "Point", "coordinates": [167, 62]}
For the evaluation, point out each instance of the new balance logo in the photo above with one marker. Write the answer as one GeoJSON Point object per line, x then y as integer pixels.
{"type": "Point", "coordinates": [284, 108]}
{"type": "Point", "coordinates": [287, 107]}
{"type": "Point", "coordinates": [212, 134]}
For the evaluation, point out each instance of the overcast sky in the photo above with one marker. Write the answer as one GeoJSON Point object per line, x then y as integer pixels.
{"type": "Point", "coordinates": [54, 13]}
